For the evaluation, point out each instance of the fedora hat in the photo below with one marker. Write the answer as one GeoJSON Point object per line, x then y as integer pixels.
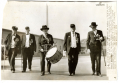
{"type": "Point", "coordinates": [44, 27]}
{"type": "Point", "coordinates": [72, 25]}
{"type": "Point", "coordinates": [93, 24]}
{"type": "Point", "coordinates": [14, 28]}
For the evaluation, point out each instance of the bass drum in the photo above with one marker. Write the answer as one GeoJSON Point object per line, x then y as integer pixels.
{"type": "Point", "coordinates": [53, 55]}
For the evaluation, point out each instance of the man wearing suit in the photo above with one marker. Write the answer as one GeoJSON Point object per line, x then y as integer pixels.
{"type": "Point", "coordinates": [94, 39]}
{"type": "Point", "coordinates": [12, 43]}
{"type": "Point", "coordinates": [72, 47]}
{"type": "Point", "coordinates": [28, 48]}
{"type": "Point", "coordinates": [45, 42]}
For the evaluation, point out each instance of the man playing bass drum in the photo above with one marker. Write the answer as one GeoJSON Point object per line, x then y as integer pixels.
{"type": "Point", "coordinates": [44, 43]}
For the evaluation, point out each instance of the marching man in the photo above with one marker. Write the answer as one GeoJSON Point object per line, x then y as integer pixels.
{"type": "Point", "coordinates": [12, 44]}
{"type": "Point", "coordinates": [72, 47]}
{"type": "Point", "coordinates": [28, 48]}
{"type": "Point", "coordinates": [94, 39]}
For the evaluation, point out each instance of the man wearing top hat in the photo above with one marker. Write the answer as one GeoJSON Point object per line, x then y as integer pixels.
{"type": "Point", "coordinates": [94, 40]}
{"type": "Point", "coordinates": [12, 43]}
{"type": "Point", "coordinates": [72, 47]}
{"type": "Point", "coordinates": [45, 41]}
{"type": "Point", "coordinates": [28, 48]}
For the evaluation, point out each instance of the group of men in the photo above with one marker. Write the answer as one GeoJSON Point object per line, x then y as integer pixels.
{"type": "Point", "coordinates": [72, 48]}
{"type": "Point", "coordinates": [16, 45]}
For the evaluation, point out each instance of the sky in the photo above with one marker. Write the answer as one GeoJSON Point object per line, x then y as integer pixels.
{"type": "Point", "coordinates": [56, 15]}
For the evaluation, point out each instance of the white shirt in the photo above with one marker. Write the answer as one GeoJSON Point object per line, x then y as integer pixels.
{"type": "Point", "coordinates": [27, 44]}
{"type": "Point", "coordinates": [13, 42]}
{"type": "Point", "coordinates": [73, 40]}
{"type": "Point", "coordinates": [95, 32]}
{"type": "Point", "coordinates": [44, 35]}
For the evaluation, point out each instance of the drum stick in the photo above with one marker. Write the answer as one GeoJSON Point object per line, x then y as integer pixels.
{"type": "Point", "coordinates": [103, 52]}
{"type": "Point", "coordinates": [104, 57]}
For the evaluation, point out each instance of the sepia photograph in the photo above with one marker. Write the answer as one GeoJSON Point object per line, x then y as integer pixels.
{"type": "Point", "coordinates": [59, 40]}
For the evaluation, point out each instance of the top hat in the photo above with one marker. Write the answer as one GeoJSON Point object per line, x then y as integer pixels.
{"type": "Point", "coordinates": [14, 28]}
{"type": "Point", "coordinates": [44, 27]}
{"type": "Point", "coordinates": [72, 25]}
{"type": "Point", "coordinates": [93, 24]}
{"type": "Point", "coordinates": [27, 28]}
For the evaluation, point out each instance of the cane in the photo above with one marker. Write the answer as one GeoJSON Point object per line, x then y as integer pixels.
{"type": "Point", "coordinates": [104, 57]}
{"type": "Point", "coordinates": [103, 52]}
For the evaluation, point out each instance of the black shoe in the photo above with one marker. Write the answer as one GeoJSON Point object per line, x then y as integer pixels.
{"type": "Point", "coordinates": [70, 74]}
{"type": "Point", "coordinates": [42, 74]}
{"type": "Point", "coordinates": [49, 72]}
{"type": "Point", "coordinates": [93, 73]}
{"type": "Point", "coordinates": [23, 71]}
{"type": "Point", "coordinates": [73, 73]}
{"type": "Point", "coordinates": [13, 71]}
{"type": "Point", "coordinates": [30, 70]}
{"type": "Point", "coordinates": [99, 74]}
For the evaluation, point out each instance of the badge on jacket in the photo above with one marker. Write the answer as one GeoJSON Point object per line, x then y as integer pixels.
{"type": "Point", "coordinates": [31, 41]}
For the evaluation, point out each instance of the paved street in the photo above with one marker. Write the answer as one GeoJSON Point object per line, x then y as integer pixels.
{"type": "Point", "coordinates": [59, 71]}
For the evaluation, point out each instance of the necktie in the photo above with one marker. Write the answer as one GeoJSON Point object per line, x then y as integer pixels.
{"type": "Point", "coordinates": [73, 34]}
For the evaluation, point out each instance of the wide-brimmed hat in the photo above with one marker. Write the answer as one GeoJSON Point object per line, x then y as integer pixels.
{"type": "Point", "coordinates": [44, 27]}
{"type": "Point", "coordinates": [27, 28]}
{"type": "Point", "coordinates": [72, 25]}
{"type": "Point", "coordinates": [14, 28]}
{"type": "Point", "coordinates": [93, 24]}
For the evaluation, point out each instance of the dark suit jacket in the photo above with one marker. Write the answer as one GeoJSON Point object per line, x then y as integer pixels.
{"type": "Point", "coordinates": [91, 40]}
{"type": "Point", "coordinates": [8, 42]}
{"type": "Point", "coordinates": [67, 42]}
{"type": "Point", "coordinates": [32, 46]}
{"type": "Point", "coordinates": [42, 40]}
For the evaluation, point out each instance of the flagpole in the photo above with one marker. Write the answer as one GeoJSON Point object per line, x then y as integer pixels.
{"type": "Point", "coordinates": [46, 14]}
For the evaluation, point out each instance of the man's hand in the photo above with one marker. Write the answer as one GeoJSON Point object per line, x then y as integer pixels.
{"type": "Point", "coordinates": [101, 38]}
{"type": "Point", "coordinates": [64, 53]}
{"type": "Point", "coordinates": [42, 50]}
{"type": "Point", "coordinates": [88, 51]}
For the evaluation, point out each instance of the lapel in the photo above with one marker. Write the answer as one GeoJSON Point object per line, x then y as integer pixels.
{"type": "Point", "coordinates": [45, 37]}
{"type": "Point", "coordinates": [24, 39]}
{"type": "Point", "coordinates": [97, 32]}
{"type": "Point", "coordinates": [10, 37]}
{"type": "Point", "coordinates": [75, 35]}
{"type": "Point", "coordinates": [29, 36]}
{"type": "Point", "coordinates": [93, 33]}
{"type": "Point", "coordinates": [70, 36]}
{"type": "Point", "coordinates": [16, 36]}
